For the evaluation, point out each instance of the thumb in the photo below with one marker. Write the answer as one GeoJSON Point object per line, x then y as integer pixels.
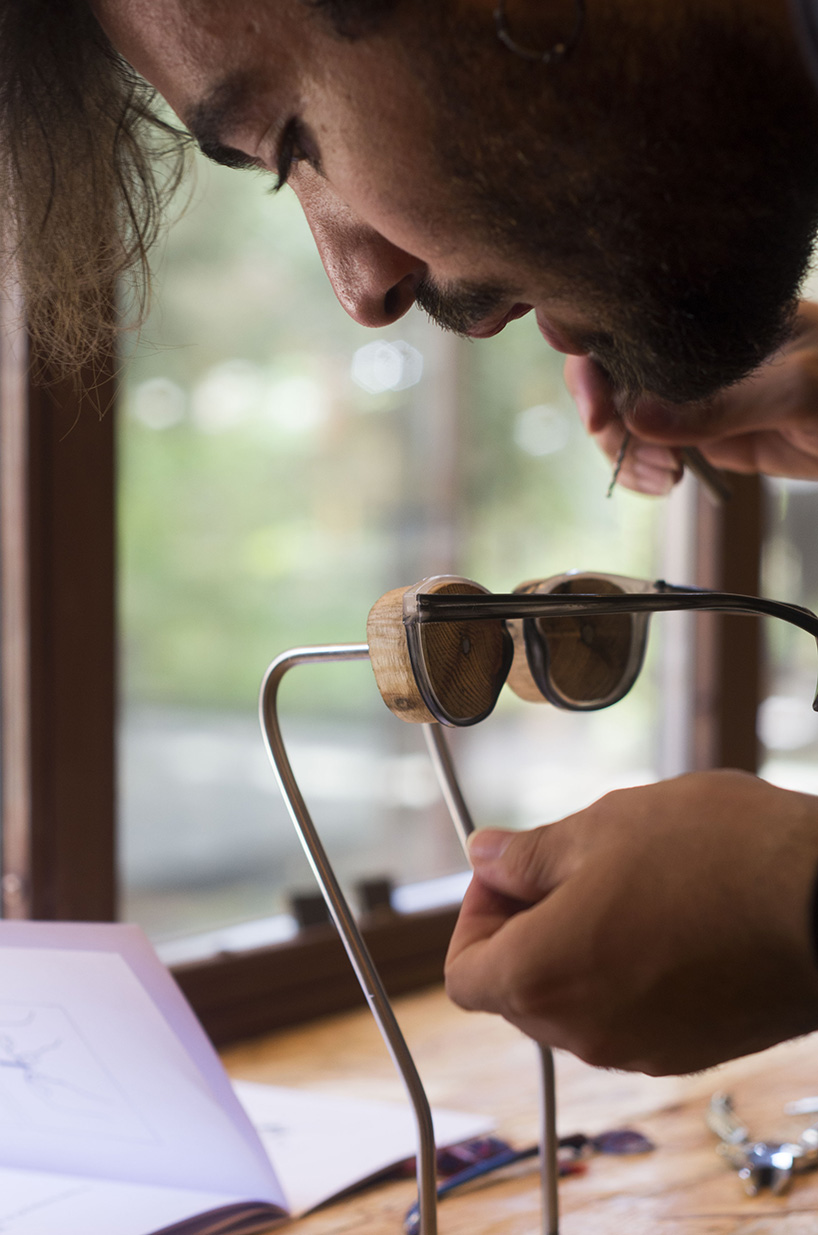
{"type": "Point", "coordinates": [523, 865]}
{"type": "Point", "coordinates": [592, 392]}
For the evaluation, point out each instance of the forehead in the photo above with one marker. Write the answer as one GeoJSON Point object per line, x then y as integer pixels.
{"type": "Point", "coordinates": [235, 71]}
{"type": "Point", "coordinates": [188, 48]}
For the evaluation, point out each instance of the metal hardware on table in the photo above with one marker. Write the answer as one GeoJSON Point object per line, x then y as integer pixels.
{"type": "Point", "coordinates": [760, 1164]}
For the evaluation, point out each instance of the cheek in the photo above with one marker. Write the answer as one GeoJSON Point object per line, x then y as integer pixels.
{"type": "Point", "coordinates": [383, 170]}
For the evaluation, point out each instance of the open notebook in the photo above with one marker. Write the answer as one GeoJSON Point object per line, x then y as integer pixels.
{"type": "Point", "coordinates": [117, 1118]}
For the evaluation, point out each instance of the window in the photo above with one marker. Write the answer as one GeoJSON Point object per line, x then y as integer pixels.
{"type": "Point", "coordinates": [279, 469]}
{"type": "Point", "coordinates": [788, 728]}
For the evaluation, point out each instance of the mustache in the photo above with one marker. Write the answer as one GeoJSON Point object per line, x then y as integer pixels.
{"type": "Point", "coordinates": [459, 307]}
{"type": "Point", "coordinates": [653, 350]}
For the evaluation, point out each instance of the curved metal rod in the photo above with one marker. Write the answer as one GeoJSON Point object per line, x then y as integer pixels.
{"type": "Point", "coordinates": [549, 1143]}
{"type": "Point", "coordinates": [353, 941]}
{"type": "Point", "coordinates": [443, 764]}
{"type": "Point", "coordinates": [441, 757]}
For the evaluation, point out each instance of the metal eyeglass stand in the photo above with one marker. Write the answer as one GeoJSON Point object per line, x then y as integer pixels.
{"type": "Point", "coordinates": [461, 817]}
{"type": "Point", "coordinates": [356, 948]}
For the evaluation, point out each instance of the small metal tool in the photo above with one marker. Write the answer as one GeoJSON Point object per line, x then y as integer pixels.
{"type": "Point", "coordinates": [712, 479]}
{"type": "Point", "coordinates": [693, 459]}
{"type": "Point", "coordinates": [760, 1164]}
{"type": "Point", "coordinates": [620, 459]}
{"type": "Point", "coordinates": [802, 1106]}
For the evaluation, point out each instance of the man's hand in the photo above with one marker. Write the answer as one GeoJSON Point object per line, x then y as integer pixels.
{"type": "Point", "coordinates": [767, 423]}
{"type": "Point", "coordinates": [664, 929]}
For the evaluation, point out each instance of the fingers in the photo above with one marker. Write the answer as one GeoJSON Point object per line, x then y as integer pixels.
{"type": "Point", "coordinates": [592, 393]}
{"type": "Point", "coordinates": [664, 928]}
{"type": "Point", "coordinates": [483, 914]}
{"type": "Point", "coordinates": [783, 390]}
{"type": "Point", "coordinates": [525, 866]}
{"type": "Point", "coordinates": [785, 386]}
{"type": "Point", "coordinates": [773, 393]}
{"type": "Point", "coordinates": [652, 470]}
{"type": "Point", "coordinates": [486, 954]}
{"type": "Point", "coordinates": [645, 467]}
{"type": "Point", "coordinates": [769, 452]}
{"type": "Point", "coordinates": [513, 871]}
{"type": "Point", "coordinates": [768, 423]}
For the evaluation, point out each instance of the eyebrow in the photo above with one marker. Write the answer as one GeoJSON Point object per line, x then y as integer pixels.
{"type": "Point", "coordinates": [219, 110]}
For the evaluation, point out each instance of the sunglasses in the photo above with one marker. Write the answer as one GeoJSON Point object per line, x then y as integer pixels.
{"type": "Point", "coordinates": [443, 649]}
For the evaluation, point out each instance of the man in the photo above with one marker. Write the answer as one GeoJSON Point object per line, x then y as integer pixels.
{"type": "Point", "coordinates": [644, 178]}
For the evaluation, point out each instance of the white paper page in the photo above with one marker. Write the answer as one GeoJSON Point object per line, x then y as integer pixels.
{"type": "Point", "coordinates": [93, 1081]}
{"type": "Point", "coordinates": [323, 1145]}
{"type": "Point", "coordinates": [33, 1203]}
{"type": "Point", "coordinates": [131, 943]}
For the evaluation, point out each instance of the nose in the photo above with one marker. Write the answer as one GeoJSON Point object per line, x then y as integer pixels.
{"type": "Point", "coordinates": [374, 280]}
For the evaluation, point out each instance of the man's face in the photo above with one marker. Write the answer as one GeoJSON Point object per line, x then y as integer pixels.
{"type": "Point", "coordinates": [651, 200]}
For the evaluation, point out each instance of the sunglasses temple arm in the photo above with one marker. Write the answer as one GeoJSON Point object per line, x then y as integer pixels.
{"type": "Point", "coordinates": [455, 608]}
{"type": "Point", "coordinates": [353, 941]}
{"type": "Point", "coordinates": [441, 757]}
{"type": "Point", "coordinates": [795, 615]}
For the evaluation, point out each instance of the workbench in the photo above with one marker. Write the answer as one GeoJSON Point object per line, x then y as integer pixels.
{"type": "Point", "coordinates": [478, 1062]}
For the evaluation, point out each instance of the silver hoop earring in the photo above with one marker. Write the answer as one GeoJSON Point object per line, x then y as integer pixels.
{"type": "Point", "coordinates": [552, 55]}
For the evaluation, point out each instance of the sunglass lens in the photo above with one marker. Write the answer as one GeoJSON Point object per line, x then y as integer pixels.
{"type": "Point", "coordinates": [584, 662]}
{"type": "Point", "coordinates": [587, 657]}
{"type": "Point", "coordinates": [451, 672]}
{"type": "Point", "coordinates": [466, 664]}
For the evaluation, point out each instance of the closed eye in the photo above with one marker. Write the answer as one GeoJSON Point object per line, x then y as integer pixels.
{"type": "Point", "coordinates": [295, 147]}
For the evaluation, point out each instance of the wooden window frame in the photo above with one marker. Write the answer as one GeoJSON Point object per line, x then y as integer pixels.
{"type": "Point", "coordinates": [729, 649]}
{"type": "Point", "coordinates": [59, 673]}
{"type": "Point", "coordinates": [58, 660]}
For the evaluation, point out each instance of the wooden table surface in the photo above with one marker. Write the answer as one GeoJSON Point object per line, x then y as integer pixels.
{"type": "Point", "coordinates": [477, 1062]}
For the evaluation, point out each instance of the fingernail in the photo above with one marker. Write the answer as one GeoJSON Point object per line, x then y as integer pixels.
{"type": "Point", "coordinates": [488, 844]}
{"type": "Point", "coordinates": [650, 482]}
{"type": "Point", "coordinates": [659, 457]}
{"type": "Point", "coordinates": [654, 469]}
{"type": "Point", "coordinates": [583, 403]}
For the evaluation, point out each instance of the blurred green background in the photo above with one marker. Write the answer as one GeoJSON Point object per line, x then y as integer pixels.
{"type": "Point", "coordinates": [280, 468]}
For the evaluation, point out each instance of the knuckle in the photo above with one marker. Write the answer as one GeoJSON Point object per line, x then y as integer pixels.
{"type": "Point", "coordinates": [527, 996]}
{"type": "Point", "coordinates": [465, 994]}
{"type": "Point", "coordinates": [597, 1048]}
{"type": "Point", "coordinates": [800, 391]}
{"type": "Point", "coordinates": [526, 856]}
{"type": "Point", "coordinates": [610, 807]}
{"type": "Point", "coordinates": [454, 988]}
{"type": "Point", "coordinates": [518, 1004]}
{"type": "Point", "coordinates": [526, 1006]}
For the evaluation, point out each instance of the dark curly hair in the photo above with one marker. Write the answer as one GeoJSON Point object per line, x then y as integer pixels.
{"type": "Point", "coordinates": [88, 163]}
{"type": "Point", "coordinates": [86, 166]}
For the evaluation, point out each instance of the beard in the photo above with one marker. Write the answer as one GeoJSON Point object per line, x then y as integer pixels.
{"type": "Point", "coordinates": [675, 203]}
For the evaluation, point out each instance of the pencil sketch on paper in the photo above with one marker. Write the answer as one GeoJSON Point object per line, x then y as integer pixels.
{"type": "Point", "coordinates": [51, 1079]}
